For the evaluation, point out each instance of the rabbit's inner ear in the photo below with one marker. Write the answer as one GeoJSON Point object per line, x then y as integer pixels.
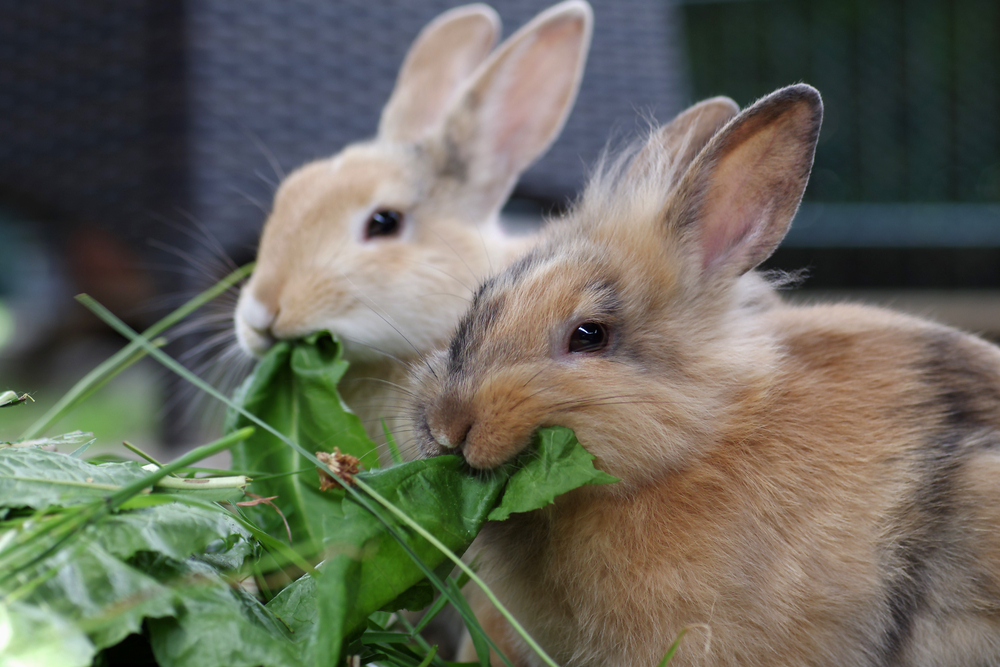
{"type": "Point", "coordinates": [444, 55]}
{"type": "Point", "coordinates": [517, 103]}
{"type": "Point", "coordinates": [680, 140]}
{"type": "Point", "coordinates": [737, 200]}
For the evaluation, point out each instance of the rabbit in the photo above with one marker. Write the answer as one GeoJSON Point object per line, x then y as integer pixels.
{"type": "Point", "coordinates": [799, 484]}
{"type": "Point", "coordinates": [382, 243]}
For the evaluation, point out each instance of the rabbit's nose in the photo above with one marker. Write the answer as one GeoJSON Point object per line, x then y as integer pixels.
{"type": "Point", "coordinates": [449, 421]}
{"type": "Point", "coordinates": [453, 436]}
{"type": "Point", "coordinates": [257, 316]}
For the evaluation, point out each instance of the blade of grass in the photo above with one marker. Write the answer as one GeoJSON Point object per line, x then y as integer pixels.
{"type": "Point", "coordinates": [394, 454]}
{"type": "Point", "coordinates": [672, 649]}
{"type": "Point", "coordinates": [128, 355]}
{"type": "Point", "coordinates": [416, 527]}
{"type": "Point", "coordinates": [195, 455]}
{"type": "Point", "coordinates": [138, 452]}
{"type": "Point", "coordinates": [115, 323]}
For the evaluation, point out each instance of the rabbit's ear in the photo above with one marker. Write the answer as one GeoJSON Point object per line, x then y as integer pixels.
{"type": "Point", "coordinates": [446, 52]}
{"type": "Point", "coordinates": [517, 103]}
{"type": "Point", "coordinates": [737, 200]}
{"type": "Point", "coordinates": [682, 139]}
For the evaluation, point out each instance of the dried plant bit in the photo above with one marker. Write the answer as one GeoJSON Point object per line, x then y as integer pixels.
{"type": "Point", "coordinates": [341, 465]}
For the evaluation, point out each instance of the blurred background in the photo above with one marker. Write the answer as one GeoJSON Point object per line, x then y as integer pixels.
{"type": "Point", "coordinates": [141, 142]}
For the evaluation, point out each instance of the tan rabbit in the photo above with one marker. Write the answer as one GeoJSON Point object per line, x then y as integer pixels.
{"type": "Point", "coordinates": [382, 243]}
{"type": "Point", "coordinates": [799, 485]}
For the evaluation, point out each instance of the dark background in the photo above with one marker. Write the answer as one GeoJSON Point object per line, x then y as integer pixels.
{"type": "Point", "coordinates": [140, 143]}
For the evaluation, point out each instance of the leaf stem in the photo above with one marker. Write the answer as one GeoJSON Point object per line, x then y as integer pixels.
{"type": "Point", "coordinates": [195, 455]}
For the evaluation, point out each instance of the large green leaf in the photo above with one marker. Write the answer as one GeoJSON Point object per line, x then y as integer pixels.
{"type": "Point", "coordinates": [369, 559]}
{"type": "Point", "coordinates": [31, 477]}
{"type": "Point", "coordinates": [86, 578]}
{"type": "Point", "coordinates": [103, 596]}
{"type": "Point", "coordinates": [217, 625]}
{"type": "Point", "coordinates": [34, 637]}
{"type": "Point", "coordinates": [175, 530]}
{"type": "Point", "coordinates": [294, 389]}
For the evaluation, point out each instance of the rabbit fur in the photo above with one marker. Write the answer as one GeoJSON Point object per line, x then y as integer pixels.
{"type": "Point", "coordinates": [800, 485]}
{"type": "Point", "coordinates": [459, 128]}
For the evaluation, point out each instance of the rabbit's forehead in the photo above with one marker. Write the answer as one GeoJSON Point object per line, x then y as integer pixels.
{"type": "Point", "coordinates": [515, 313]}
{"type": "Point", "coordinates": [359, 178]}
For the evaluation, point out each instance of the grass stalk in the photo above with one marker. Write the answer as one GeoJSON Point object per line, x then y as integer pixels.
{"type": "Point", "coordinates": [127, 356]}
{"type": "Point", "coordinates": [417, 528]}
{"type": "Point", "coordinates": [195, 455]}
{"type": "Point", "coordinates": [115, 323]}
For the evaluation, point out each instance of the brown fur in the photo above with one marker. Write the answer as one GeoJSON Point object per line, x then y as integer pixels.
{"type": "Point", "coordinates": [800, 485]}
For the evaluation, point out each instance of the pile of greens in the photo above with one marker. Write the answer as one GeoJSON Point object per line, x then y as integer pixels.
{"type": "Point", "coordinates": [116, 563]}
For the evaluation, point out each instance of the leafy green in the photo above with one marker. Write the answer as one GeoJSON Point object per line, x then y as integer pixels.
{"type": "Point", "coordinates": [79, 439]}
{"type": "Point", "coordinates": [294, 388]}
{"type": "Point", "coordinates": [365, 566]}
{"type": "Point", "coordinates": [557, 464]}
{"type": "Point", "coordinates": [34, 637]}
{"type": "Point", "coordinates": [76, 563]}
{"type": "Point", "coordinates": [31, 477]}
{"type": "Point", "coordinates": [218, 625]}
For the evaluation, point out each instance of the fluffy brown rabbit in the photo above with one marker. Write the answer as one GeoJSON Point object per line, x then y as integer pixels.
{"type": "Point", "coordinates": [799, 485]}
{"type": "Point", "coordinates": [382, 243]}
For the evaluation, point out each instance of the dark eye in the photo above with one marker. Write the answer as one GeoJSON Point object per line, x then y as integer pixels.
{"type": "Point", "coordinates": [384, 223]}
{"type": "Point", "coordinates": [589, 337]}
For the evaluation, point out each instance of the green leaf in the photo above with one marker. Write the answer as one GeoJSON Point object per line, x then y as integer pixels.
{"type": "Point", "coordinates": [172, 529]}
{"type": "Point", "coordinates": [98, 593]}
{"type": "Point", "coordinates": [556, 465]}
{"type": "Point", "coordinates": [440, 495]}
{"type": "Point", "coordinates": [34, 637]}
{"type": "Point", "coordinates": [337, 598]}
{"type": "Point", "coordinates": [31, 477]}
{"type": "Point", "coordinates": [217, 625]}
{"type": "Point", "coordinates": [372, 559]}
{"type": "Point", "coordinates": [296, 606]}
{"type": "Point", "coordinates": [92, 581]}
{"type": "Point", "coordinates": [79, 439]}
{"type": "Point", "coordinates": [294, 389]}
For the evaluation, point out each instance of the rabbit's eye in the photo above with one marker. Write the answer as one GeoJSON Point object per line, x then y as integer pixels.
{"type": "Point", "coordinates": [384, 223]}
{"type": "Point", "coordinates": [589, 337]}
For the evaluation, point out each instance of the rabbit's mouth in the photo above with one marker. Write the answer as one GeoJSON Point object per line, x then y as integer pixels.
{"type": "Point", "coordinates": [253, 322]}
